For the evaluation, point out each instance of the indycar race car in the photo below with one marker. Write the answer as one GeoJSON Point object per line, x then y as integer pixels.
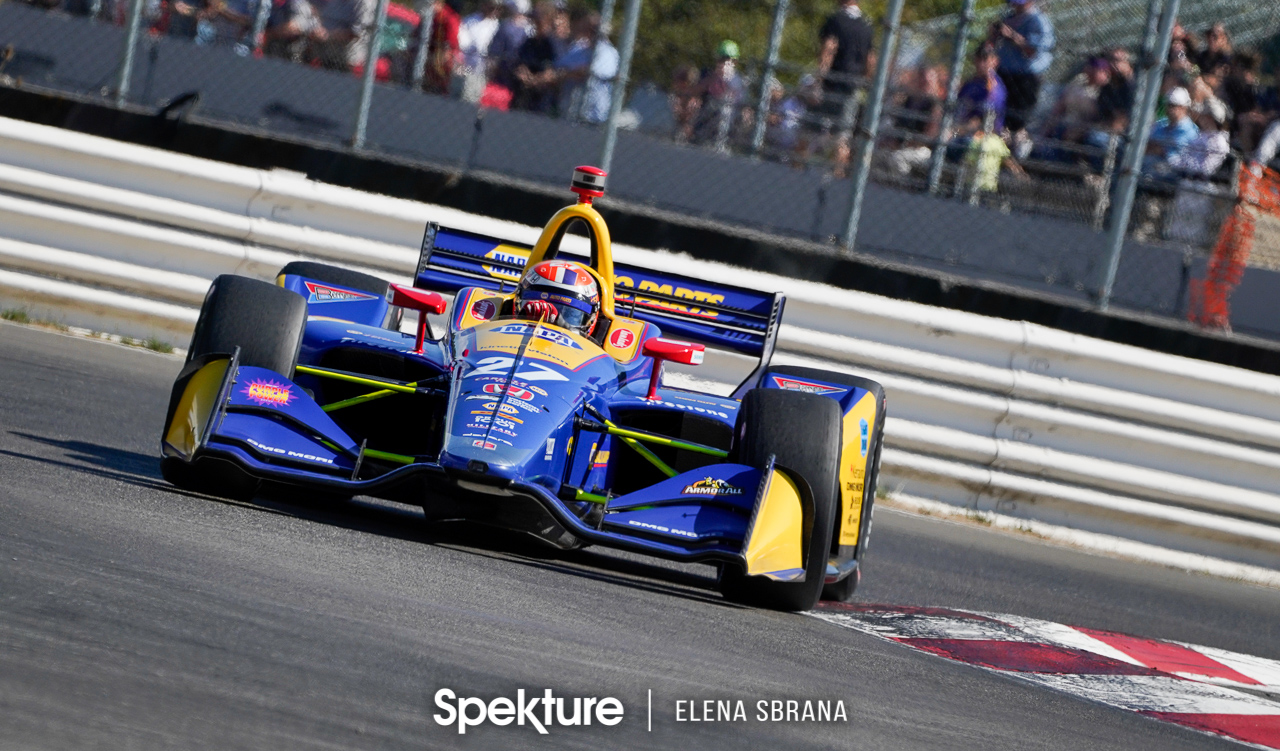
{"type": "Point", "coordinates": [553, 422]}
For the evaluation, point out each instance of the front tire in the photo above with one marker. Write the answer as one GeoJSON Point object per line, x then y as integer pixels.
{"type": "Point", "coordinates": [266, 322]}
{"type": "Point", "coordinates": [802, 432]}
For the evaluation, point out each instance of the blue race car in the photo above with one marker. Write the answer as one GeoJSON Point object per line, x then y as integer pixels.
{"type": "Point", "coordinates": [539, 408]}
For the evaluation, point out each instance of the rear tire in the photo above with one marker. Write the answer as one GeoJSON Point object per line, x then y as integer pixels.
{"type": "Point", "coordinates": [323, 272]}
{"type": "Point", "coordinates": [266, 322]}
{"type": "Point", "coordinates": [802, 431]}
{"type": "Point", "coordinates": [843, 590]}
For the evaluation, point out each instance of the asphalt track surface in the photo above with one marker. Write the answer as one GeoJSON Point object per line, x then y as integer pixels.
{"type": "Point", "coordinates": [136, 616]}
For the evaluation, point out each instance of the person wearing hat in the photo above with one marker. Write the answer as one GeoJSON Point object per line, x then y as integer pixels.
{"type": "Point", "coordinates": [721, 90]}
{"type": "Point", "coordinates": [1024, 40]}
{"type": "Point", "coordinates": [1173, 132]}
{"type": "Point", "coordinates": [1208, 150]}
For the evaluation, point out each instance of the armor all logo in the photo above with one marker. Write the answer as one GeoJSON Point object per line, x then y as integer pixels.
{"type": "Point", "coordinates": [712, 486]}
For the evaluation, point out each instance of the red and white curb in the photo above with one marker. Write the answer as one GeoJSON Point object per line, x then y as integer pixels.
{"type": "Point", "coordinates": [1233, 695]}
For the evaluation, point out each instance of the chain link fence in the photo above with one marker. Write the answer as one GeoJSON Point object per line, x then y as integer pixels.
{"type": "Point", "coordinates": [980, 163]}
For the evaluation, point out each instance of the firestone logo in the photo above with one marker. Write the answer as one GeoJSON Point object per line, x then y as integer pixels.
{"type": "Point", "coordinates": [469, 711]}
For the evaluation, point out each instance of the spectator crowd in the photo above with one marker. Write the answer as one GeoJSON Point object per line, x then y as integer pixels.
{"type": "Point", "coordinates": [549, 59]}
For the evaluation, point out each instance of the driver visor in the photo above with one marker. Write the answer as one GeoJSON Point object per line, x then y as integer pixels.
{"type": "Point", "coordinates": [571, 312]}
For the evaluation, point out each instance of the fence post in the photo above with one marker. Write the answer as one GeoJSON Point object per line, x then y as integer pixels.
{"type": "Point", "coordinates": [370, 73]}
{"type": "Point", "coordinates": [127, 54]}
{"type": "Point", "coordinates": [259, 35]}
{"type": "Point", "coordinates": [770, 65]}
{"type": "Point", "coordinates": [1107, 177]}
{"type": "Point", "coordinates": [426, 22]}
{"type": "Point", "coordinates": [1154, 55]}
{"type": "Point", "coordinates": [606, 22]}
{"type": "Point", "coordinates": [871, 121]}
{"type": "Point", "coordinates": [938, 157]}
{"type": "Point", "coordinates": [629, 27]}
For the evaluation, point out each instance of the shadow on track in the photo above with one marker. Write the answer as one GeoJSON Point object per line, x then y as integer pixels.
{"type": "Point", "coordinates": [386, 519]}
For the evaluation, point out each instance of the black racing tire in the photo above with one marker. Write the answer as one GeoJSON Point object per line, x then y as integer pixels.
{"type": "Point", "coordinates": [842, 591]}
{"type": "Point", "coordinates": [802, 432]}
{"type": "Point", "coordinates": [323, 272]}
{"type": "Point", "coordinates": [265, 321]}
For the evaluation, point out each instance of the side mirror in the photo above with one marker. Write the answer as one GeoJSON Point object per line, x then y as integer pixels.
{"type": "Point", "coordinates": [661, 350]}
{"type": "Point", "coordinates": [421, 300]}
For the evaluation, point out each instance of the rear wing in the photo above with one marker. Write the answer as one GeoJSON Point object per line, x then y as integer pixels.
{"type": "Point", "coordinates": [717, 315]}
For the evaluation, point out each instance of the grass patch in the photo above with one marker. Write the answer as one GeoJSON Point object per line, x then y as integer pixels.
{"type": "Point", "coordinates": [17, 315]}
{"type": "Point", "coordinates": [158, 345]}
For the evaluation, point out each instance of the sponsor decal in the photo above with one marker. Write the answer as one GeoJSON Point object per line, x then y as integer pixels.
{"type": "Point", "coordinates": [660, 528]}
{"type": "Point", "coordinates": [483, 310]}
{"type": "Point", "coordinates": [500, 366]}
{"type": "Point", "coordinates": [505, 256]}
{"type": "Point", "coordinates": [622, 338]}
{"type": "Point", "coordinates": [486, 445]}
{"type": "Point", "coordinates": [692, 295]}
{"type": "Point", "coordinates": [268, 393]}
{"type": "Point", "coordinates": [324, 293]}
{"type": "Point", "coordinates": [504, 408]}
{"type": "Point", "coordinates": [712, 486]}
{"type": "Point", "coordinates": [809, 387]}
{"type": "Point", "coordinates": [862, 428]}
{"type": "Point", "coordinates": [601, 460]}
{"type": "Point", "coordinates": [551, 449]}
{"type": "Point", "coordinates": [516, 391]}
{"type": "Point", "coordinates": [550, 335]}
{"type": "Point", "coordinates": [715, 412]}
{"type": "Point", "coordinates": [288, 453]}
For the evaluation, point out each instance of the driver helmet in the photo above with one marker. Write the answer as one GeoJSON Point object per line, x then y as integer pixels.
{"type": "Point", "coordinates": [560, 292]}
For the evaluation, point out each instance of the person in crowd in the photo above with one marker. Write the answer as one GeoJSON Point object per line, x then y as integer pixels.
{"type": "Point", "coordinates": [1204, 155]}
{"type": "Point", "coordinates": [290, 25]}
{"type": "Point", "coordinates": [475, 34]}
{"type": "Point", "coordinates": [984, 91]}
{"type": "Point", "coordinates": [536, 77]}
{"type": "Point", "coordinates": [1243, 93]}
{"type": "Point", "coordinates": [232, 20]}
{"type": "Point", "coordinates": [504, 50]}
{"type": "Point", "coordinates": [1217, 49]}
{"type": "Point", "coordinates": [782, 122]}
{"type": "Point", "coordinates": [1076, 111]}
{"type": "Point", "coordinates": [845, 57]}
{"type": "Point", "coordinates": [339, 38]}
{"type": "Point", "coordinates": [986, 154]}
{"type": "Point", "coordinates": [185, 19]}
{"type": "Point", "coordinates": [722, 91]}
{"type": "Point", "coordinates": [443, 50]}
{"type": "Point", "coordinates": [685, 101]}
{"type": "Point", "coordinates": [920, 117]}
{"type": "Point", "coordinates": [1172, 133]}
{"type": "Point", "coordinates": [587, 70]}
{"type": "Point", "coordinates": [1115, 100]}
{"type": "Point", "coordinates": [1024, 40]}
